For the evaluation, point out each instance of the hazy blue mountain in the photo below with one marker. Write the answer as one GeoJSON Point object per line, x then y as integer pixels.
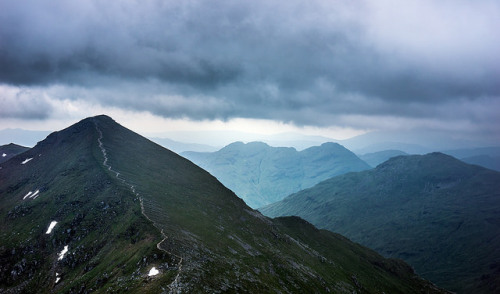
{"type": "Point", "coordinates": [179, 147]}
{"type": "Point", "coordinates": [261, 174]}
{"type": "Point", "coordinates": [410, 141]}
{"type": "Point", "coordinates": [405, 147]}
{"type": "Point", "coordinates": [439, 214]}
{"type": "Point", "coordinates": [488, 157]}
{"type": "Point", "coordinates": [10, 150]}
{"type": "Point", "coordinates": [376, 158]}
{"type": "Point", "coordinates": [98, 208]}
{"type": "Point", "coordinates": [22, 137]}
{"type": "Point", "coordinates": [223, 138]}
{"type": "Point", "coordinates": [491, 162]}
{"type": "Point", "coordinates": [470, 152]}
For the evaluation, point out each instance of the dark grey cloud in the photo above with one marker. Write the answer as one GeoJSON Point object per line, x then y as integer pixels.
{"type": "Point", "coordinates": [305, 62]}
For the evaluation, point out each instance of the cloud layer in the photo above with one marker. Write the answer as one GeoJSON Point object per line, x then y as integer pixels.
{"type": "Point", "coordinates": [305, 62]}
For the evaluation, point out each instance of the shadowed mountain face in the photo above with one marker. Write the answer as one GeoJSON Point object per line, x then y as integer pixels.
{"type": "Point", "coordinates": [96, 207]}
{"type": "Point", "coordinates": [261, 174]}
{"type": "Point", "coordinates": [437, 213]}
{"type": "Point", "coordinates": [10, 150]}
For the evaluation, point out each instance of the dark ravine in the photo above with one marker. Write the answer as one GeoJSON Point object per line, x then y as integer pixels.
{"type": "Point", "coordinates": [125, 206]}
{"type": "Point", "coordinates": [437, 213]}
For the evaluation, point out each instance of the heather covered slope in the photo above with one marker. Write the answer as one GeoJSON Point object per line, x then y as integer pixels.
{"type": "Point", "coordinates": [124, 205]}
{"type": "Point", "coordinates": [261, 174]}
{"type": "Point", "coordinates": [437, 213]}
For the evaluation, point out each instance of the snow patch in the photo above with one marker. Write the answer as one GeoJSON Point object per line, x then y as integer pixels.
{"type": "Point", "coordinates": [153, 272]}
{"type": "Point", "coordinates": [51, 226]}
{"type": "Point", "coordinates": [26, 160]}
{"type": "Point", "coordinates": [57, 278]}
{"type": "Point", "coordinates": [27, 195]}
{"type": "Point", "coordinates": [35, 194]}
{"type": "Point", "coordinates": [32, 195]}
{"type": "Point", "coordinates": [63, 252]}
{"type": "Point", "coordinates": [3, 155]}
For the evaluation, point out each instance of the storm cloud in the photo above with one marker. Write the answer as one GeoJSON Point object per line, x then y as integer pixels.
{"type": "Point", "coordinates": [304, 62]}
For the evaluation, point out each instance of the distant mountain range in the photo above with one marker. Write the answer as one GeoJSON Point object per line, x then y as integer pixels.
{"type": "Point", "coordinates": [179, 147]}
{"type": "Point", "coordinates": [98, 208]}
{"type": "Point", "coordinates": [261, 174]}
{"type": "Point", "coordinates": [488, 157]}
{"type": "Point", "coordinates": [410, 141]}
{"type": "Point", "coordinates": [439, 214]}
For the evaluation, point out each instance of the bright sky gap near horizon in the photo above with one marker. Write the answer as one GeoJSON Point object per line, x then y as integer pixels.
{"type": "Point", "coordinates": [331, 68]}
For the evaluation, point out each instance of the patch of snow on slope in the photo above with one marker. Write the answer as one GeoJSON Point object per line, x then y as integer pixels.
{"type": "Point", "coordinates": [63, 252]}
{"type": "Point", "coordinates": [35, 194]}
{"type": "Point", "coordinates": [26, 160]}
{"type": "Point", "coordinates": [51, 226]}
{"type": "Point", "coordinates": [27, 195]}
{"type": "Point", "coordinates": [3, 155]}
{"type": "Point", "coordinates": [57, 278]}
{"type": "Point", "coordinates": [153, 272]}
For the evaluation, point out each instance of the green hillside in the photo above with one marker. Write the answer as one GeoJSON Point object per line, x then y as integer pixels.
{"type": "Point", "coordinates": [133, 217]}
{"type": "Point", "coordinates": [437, 213]}
{"type": "Point", "coordinates": [261, 174]}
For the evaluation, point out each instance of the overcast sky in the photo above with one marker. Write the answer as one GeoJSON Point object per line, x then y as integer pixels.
{"type": "Point", "coordinates": [337, 68]}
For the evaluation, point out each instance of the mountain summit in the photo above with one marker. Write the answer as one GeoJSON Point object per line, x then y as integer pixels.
{"type": "Point", "coordinates": [96, 207]}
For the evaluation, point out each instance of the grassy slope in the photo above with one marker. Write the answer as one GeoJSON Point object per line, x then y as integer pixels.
{"type": "Point", "coordinates": [435, 212]}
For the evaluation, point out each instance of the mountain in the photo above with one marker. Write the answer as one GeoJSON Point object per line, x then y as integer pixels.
{"type": "Point", "coordinates": [98, 208]}
{"type": "Point", "coordinates": [382, 146]}
{"type": "Point", "coordinates": [437, 213]}
{"type": "Point", "coordinates": [222, 138]}
{"type": "Point", "coordinates": [10, 150]}
{"type": "Point", "coordinates": [179, 147]}
{"type": "Point", "coordinates": [261, 174]}
{"type": "Point", "coordinates": [491, 162]}
{"type": "Point", "coordinates": [470, 152]}
{"type": "Point", "coordinates": [376, 158]}
{"type": "Point", "coordinates": [488, 157]}
{"type": "Point", "coordinates": [416, 141]}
